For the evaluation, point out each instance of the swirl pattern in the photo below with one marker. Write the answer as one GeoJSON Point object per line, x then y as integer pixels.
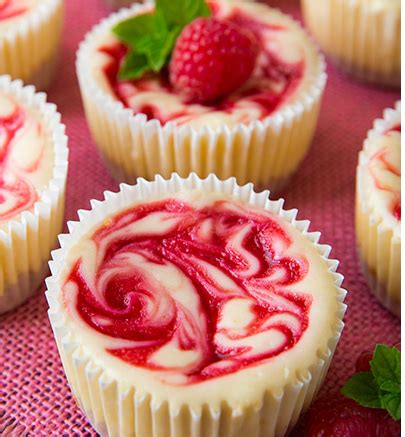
{"type": "Point", "coordinates": [385, 169]}
{"type": "Point", "coordinates": [194, 292]}
{"type": "Point", "coordinates": [21, 150]}
{"type": "Point", "coordinates": [11, 8]}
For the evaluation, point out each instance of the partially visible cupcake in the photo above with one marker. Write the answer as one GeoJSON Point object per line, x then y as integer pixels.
{"type": "Point", "coordinates": [361, 36]}
{"type": "Point", "coordinates": [189, 307]}
{"type": "Point", "coordinates": [33, 170]}
{"type": "Point", "coordinates": [378, 208]}
{"type": "Point", "coordinates": [239, 97]}
{"type": "Point", "coordinates": [30, 32]}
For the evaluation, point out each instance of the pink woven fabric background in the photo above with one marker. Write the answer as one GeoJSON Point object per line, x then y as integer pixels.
{"type": "Point", "coordinates": [33, 388]}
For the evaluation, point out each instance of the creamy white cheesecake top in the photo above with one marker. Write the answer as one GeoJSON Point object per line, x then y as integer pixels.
{"type": "Point", "coordinates": [287, 65]}
{"type": "Point", "coordinates": [197, 297]}
{"type": "Point", "coordinates": [381, 175]}
{"type": "Point", "coordinates": [26, 157]}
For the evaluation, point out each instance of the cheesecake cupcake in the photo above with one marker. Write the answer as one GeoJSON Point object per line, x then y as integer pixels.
{"type": "Point", "coordinates": [378, 208]}
{"type": "Point", "coordinates": [30, 31]}
{"type": "Point", "coordinates": [202, 110]}
{"type": "Point", "coordinates": [193, 307]}
{"type": "Point", "coordinates": [33, 157]}
{"type": "Point", "coordinates": [361, 36]}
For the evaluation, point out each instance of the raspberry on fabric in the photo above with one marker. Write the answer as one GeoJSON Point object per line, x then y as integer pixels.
{"type": "Point", "coordinates": [363, 361]}
{"type": "Point", "coordinates": [212, 58]}
{"type": "Point", "coordinates": [342, 417]}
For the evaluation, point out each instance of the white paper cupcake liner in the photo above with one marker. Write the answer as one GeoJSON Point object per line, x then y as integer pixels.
{"type": "Point", "coordinates": [363, 37]}
{"type": "Point", "coordinates": [28, 51]}
{"type": "Point", "coordinates": [26, 242]}
{"type": "Point", "coordinates": [379, 243]}
{"type": "Point", "coordinates": [116, 409]}
{"type": "Point", "coordinates": [263, 152]}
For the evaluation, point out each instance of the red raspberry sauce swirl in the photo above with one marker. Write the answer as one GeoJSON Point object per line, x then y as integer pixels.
{"type": "Point", "coordinates": [381, 156]}
{"type": "Point", "coordinates": [225, 254]}
{"type": "Point", "coordinates": [16, 193]}
{"type": "Point", "coordinates": [272, 72]}
{"type": "Point", "coordinates": [10, 9]}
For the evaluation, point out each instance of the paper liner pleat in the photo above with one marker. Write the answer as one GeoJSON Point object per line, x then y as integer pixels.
{"type": "Point", "coordinates": [364, 39]}
{"type": "Point", "coordinates": [379, 244]}
{"type": "Point", "coordinates": [115, 410]}
{"type": "Point", "coordinates": [29, 49]}
{"type": "Point", "coordinates": [26, 242]}
{"type": "Point", "coordinates": [265, 152]}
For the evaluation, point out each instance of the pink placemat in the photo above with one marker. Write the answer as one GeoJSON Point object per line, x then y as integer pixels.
{"type": "Point", "coordinates": [33, 389]}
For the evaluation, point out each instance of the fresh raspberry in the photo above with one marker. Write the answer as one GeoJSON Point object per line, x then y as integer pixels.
{"type": "Point", "coordinates": [211, 59]}
{"type": "Point", "coordinates": [342, 417]}
{"type": "Point", "coordinates": [363, 360]}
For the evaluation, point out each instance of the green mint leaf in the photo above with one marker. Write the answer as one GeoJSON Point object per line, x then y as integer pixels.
{"type": "Point", "coordinates": [129, 31]}
{"type": "Point", "coordinates": [134, 66]}
{"type": "Point", "coordinates": [138, 31]}
{"type": "Point", "coordinates": [363, 389]}
{"type": "Point", "coordinates": [160, 50]}
{"type": "Point", "coordinates": [182, 12]}
{"type": "Point", "coordinates": [151, 37]}
{"type": "Point", "coordinates": [386, 364]}
{"type": "Point", "coordinates": [380, 388]}
{"type": "Point", "coordinates": [392, 403]}
{"type": "Point", "coordinates": [390, 387]}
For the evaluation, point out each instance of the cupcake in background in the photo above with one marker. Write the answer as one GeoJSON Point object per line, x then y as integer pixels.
{"type": "Point", "coordinates": [30, 32]}
{"type": "Point", "coordinates": [189, 307]}
{"type": "Point", "coordinates": [378, 208]}
{"type": "Point", "coordinates": [32, 189]}
{"type": "Point", "coordinates": [362, 36]}
{"type": "Point", "coordinates": [191, 104]}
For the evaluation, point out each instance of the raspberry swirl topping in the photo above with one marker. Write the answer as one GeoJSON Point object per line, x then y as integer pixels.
{"type": "Point", "coordinates": [21, 152]}
{"type": "Point", "coordinates": [280, 69]}
{"type": "Point", "coordinates": [12, 8]}
{"type": "Point", "coordinates": [385, 169]}
{"type": "Point", "coordinates": [191, 292]}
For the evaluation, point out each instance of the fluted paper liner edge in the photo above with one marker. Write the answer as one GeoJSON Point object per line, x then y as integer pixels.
{"type": "Point", "coordinates": [28, 51]}
{"type": "Point", "coordinates": [362, 39]}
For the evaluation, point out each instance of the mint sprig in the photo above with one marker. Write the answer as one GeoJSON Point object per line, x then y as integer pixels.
{"type": "Point", "coordinates": [182, 12]}
{"type": "Point", "coordinates": [151, 37]}
{"type": "Point", "coordinates": [381, 387]}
